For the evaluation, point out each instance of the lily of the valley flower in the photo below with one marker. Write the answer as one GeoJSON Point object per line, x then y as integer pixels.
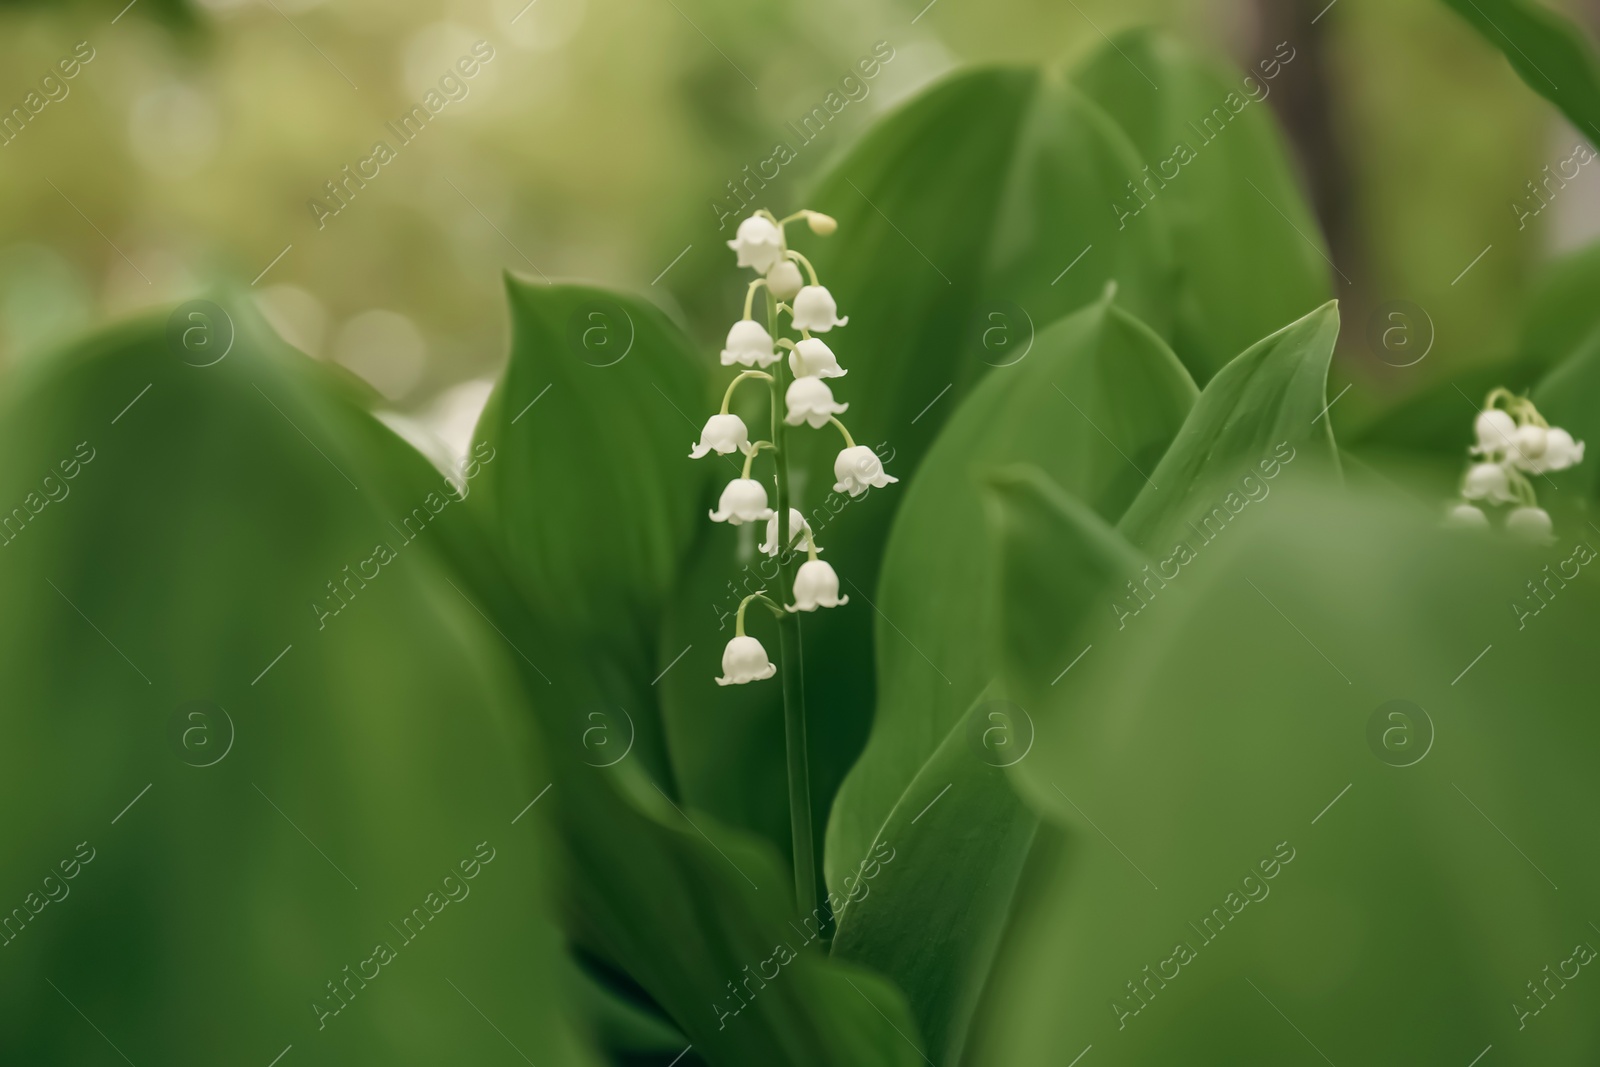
{"type": "Point", "coordinates": [858, 469]}
{"type": "Point", "coordinates": [745, 660]}
{"type": "Point", "coordinates": [816, 586]}
{"type": "Point", "coordinates": [723, 434]}
{"type": "Point", "coordinates": [758, 242]}
{"type": "Point", "coordinates": [1488, 481]}
{"type": "Point", "coordinates": [749, 345]}
{"type": "Point", "coordinates": [1513, 441]}
{"type": "Point", "coordinates": [1532, 524]}
{"type": "Point", "coordinates": [1466, 517]}
{"type": "Point", "coordinates": [815, 310]}
{"type": "Point", "coordinates": [799, 530]}
{"type": "Point", "coordinates": [784, 279]}
{"type": "Point", "coordinates": [809, 400]}
{"type": "Point", "coordinates": [812, 358]}
{"type": "Point", "coordinates": [744, 500]}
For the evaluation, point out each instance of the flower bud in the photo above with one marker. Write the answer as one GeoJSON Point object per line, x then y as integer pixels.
{"type": "Point", "coordinates": [821, 225]}
{"type": "Point", "coordinates": [784, 279]}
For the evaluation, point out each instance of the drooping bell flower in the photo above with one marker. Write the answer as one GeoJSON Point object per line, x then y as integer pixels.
{"type": "Point", "coordinates": [809, 400]}
{"type": "Point", "coordinates": [723, 434]}
{"type": "Point", "coordinates": [749, 345]}
{"type": "Point", "coordinates": [744, 500]}
{"type": "Point", "coordinates": [744, 660]}
{"type": "Point", "coordinates": [799, 530]}
{"type": "Point", "coordinates": [816, 586]}
{"type": "Point", "coordinates": [815, 310]}
{"type": "Point", "coordinates": [812, 358]}
{"type": "Point", "coordinates": [858, 469]}
{"type": "Point", "coordinates": [1531, 524]}
{"type": "Point", "coordinates": [758, 242]}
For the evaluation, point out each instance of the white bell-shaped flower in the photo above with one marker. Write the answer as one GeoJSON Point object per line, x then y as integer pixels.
{"type": "Point", "coordinates": [1527, 445]}
{"type": "Point", "coordinates": [858, 469]}
{"type": "Point", "coordinates": [816, 586]}
{"type": "Point", "coordinates": [1466, 517]}
{"type": "Point", "coordinates": [749, 345]}
{"type": "Point", "coordinates": [784, 279]}
{"type": "Point", "coordinates": [815, 310]}
{"type": "Point", "coordinates": [744, 660]}
{"type": "Point", "coordinates": [758, 243]}
{"type": "Point", "coordinates": [744, 500]}
{"type": "Point", "coordinates": [1560, 452]}
{"type": "Point", "coordinates": [799, 530]}
{"type": "Point", "coordinates": [1487, 481]}
{"type": "Point", "coordinates": [1496, 430]}
{"type": "Point", "coordinates": [812, 358]}
{"type": "Point", "coordinates": [723, 434]}
{"type": "Point", "coordinates": [810, 400]}
{"type": "Point", "coordinates": [1531, 524]}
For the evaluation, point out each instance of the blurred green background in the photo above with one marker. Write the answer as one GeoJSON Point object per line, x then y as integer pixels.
{"type": "Point", "coordinates": [598, 140]}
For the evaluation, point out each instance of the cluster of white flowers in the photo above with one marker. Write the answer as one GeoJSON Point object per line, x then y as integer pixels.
{"type": "Point", "coordinates": [1514, 441]}
{"type": "Point", "coordinates": [760, 244]}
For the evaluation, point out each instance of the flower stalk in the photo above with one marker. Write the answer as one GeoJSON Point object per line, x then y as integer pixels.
{"type": "Point", "coordinates": [798, 397]}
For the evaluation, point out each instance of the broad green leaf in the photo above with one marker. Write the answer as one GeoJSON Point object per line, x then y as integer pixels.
{"type": "Point", "coordinates": [684, 906]}
{"type": "Point", "coordinates": [251, 729]}
{"type": "Point", "coordinates": [950, 264]}
{"type": "Point", "coordinates": [1549, 53]}
{"type": "Point", "coordinates": [1249, 254]}
{"type": "Point", "coordinates": [1264, 854]}
{"type": "Point", "coordinates": [958, 834]}
{"type": "Point", "coordinates": [1261, 411]}
{"type": "Point", "coordinates": [1560, 312]}
{"type": "Point", "coordinates": [1097, 400]}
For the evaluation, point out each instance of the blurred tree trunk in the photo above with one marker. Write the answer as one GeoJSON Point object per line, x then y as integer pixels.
{"type": "Point", "coordinates": [1303, 102]}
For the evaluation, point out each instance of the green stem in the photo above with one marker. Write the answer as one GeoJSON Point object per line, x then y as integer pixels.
{"type": "Point", "coordinates": [727, 397]}
{"type": "Point", "coordinates": [790, 665]}
{"type": "Point", "coordinates": [750, 295]}
{"type": "Point", "coordinates": [804, 262]}
{"type": "Point", "coordinates": [849, 442]}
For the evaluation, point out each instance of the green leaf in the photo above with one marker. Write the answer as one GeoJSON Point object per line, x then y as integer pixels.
{"type": "Point", "coordinates": [1231, 778]}
{"type": "Point", "coordinates": [683, 905]}
{"type": "Point", "coordinates": [949, 265]}
{"type": "Point", "coordinates": [1098, 399]}
{"type": "Point", "coordinates": [958, 834]}
{"type": "Point", "coordinates": [1549, 53]}
{"type": "Point", "coordinates": [1249, 254]}
{"type": "Point", "coordinates": [1270, 398]}
{"type": "Point", "coordinates": [235, 710]}
{"type": "Point", "coordinates": [1569, 397]}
